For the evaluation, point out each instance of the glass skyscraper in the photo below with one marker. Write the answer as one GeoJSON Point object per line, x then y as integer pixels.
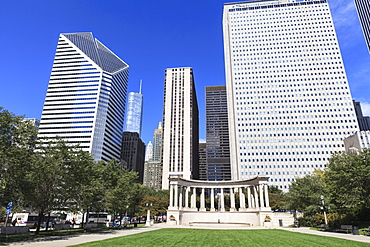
{"type": "Point", "coordinates": [134, 112]}
{"type": "Point", "coordinates": [217, 133]}
{"type": "Point", "coordinates": [363, 10]}
{"type": "Point", "coordinates": [86, 96]}
{"type": "Point", "coordinates": [289, 101]}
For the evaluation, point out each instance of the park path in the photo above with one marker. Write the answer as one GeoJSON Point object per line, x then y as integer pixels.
{"type": "Point", "coordinates": [61, 241]}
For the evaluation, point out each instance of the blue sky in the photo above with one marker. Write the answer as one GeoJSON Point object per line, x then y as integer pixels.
{"type": "Point", "coordinates": [150, 36]}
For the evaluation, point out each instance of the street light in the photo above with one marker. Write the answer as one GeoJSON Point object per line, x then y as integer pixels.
{"type": "Point", "coordinates": [148, 214]}
{"type": "Point", "coordinates": [324, 208]}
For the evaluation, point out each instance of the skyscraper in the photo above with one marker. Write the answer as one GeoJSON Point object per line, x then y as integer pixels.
{"type": "Point", "coordinates": [134, 112]}
{"type": "Point", "coordinates": [217, 133]}
{"type": "Point", "coordinates": [149, 151]}
{"type": "Point", "coordinates": [153, 166]}
{"type": "Point", "coordinates": [157, 143]}
{"type": "Point", "coordinates": [180, 125]}
{"type": "Point", "coordinates": [133, 153]}
{"type": "Point", "coordinates": [363, 121]}
{"type": "Point", "coordinates": [86, 96]}
{"type": "Point", "coordinates": [202, 161]}
{"type": "Point", "coordinates": [289, 102]}
{"type": "Point", "coordinates": [363, 10]}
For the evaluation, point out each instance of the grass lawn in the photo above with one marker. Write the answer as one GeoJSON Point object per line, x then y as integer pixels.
{"type": "Point", "coordinates": [239, 238]}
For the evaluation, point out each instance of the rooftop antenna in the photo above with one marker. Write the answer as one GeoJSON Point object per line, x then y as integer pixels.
{"type": "Point", "coordinates": [141, 82]}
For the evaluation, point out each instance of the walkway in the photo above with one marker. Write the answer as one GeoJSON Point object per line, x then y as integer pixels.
{"type": "Point", "coordinates": [61, 241]}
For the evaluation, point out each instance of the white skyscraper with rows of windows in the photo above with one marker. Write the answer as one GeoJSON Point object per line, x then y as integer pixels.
{"type": "Point", "coordinates": [86, 96]}
{"type": "Point", "coordinates": [289, 101]}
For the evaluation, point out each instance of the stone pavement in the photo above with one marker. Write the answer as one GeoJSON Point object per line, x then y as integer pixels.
{"type": "Point", "coordinates": [61, 241]}
{"type": "Point", "coordinates": [360, 238]}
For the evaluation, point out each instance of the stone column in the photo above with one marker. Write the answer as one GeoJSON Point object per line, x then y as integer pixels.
{"type": "Point", "coordinates": [253, 202]}
{"type": "Point", "coordinates": [187, 198]}
{"type": "Point", "coordinates": [193, 200]}
{"type": "Point", "coordinates": [213, 200]}
{"type": "Point", "coordinates": [181, 198]}
{"type": "Point", "coordinates": [232, 200]}
{"type": "Point", "coordinates": [222, 209]}
{"type": "Point", "coordinates": [176, 197]}
{"type": "Point", "coordinates": [262, 203]}
{"type": "Point", "coordinates": [171, 196]}
{"type": "Point", "coordinates": [267, 196]}
{"type": "Point", "coordinates": [242, 200]}
{"type": "Point", "coordinates": [202, 201]}
{"type": "Point", "coordinates": [256, 197]}
{"type": "Point", "coordinates": [249, 197]}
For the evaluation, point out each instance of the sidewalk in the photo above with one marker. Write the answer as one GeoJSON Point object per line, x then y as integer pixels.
{"type": "Point", "coordinates": [360, 238]}
{"type": "Point", "coordinates": [61, 241]}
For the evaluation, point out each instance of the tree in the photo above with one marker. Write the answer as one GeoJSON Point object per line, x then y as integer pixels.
{"type": "Point", "coordinates": [277, 198]}
{"type": "Point", "coordinates": [348, 177]}
{"type": "Point", "coordinates": [17, 141]}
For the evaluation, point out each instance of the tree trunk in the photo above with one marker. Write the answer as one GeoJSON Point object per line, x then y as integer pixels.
{"type": "Point", "coordinates": [47, 222]}
{"type": "Point", "coordinates": [41, 214]}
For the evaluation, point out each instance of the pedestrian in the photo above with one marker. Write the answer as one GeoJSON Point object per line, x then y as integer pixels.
{"type": "Point", "coordinates": [14, 222]}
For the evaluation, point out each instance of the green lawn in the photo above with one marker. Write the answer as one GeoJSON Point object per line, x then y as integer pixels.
{"type": "Point", "coordinates": [240, 238]}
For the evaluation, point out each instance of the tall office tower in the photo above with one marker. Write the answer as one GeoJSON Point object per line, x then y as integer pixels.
{"type": "Point", "coordinates": [149, 151]}
{"type": "Point", "coordinates": [363, 10]}
{"type": "Point", "coordinates": [134, 112]}
{"type": "Point", "coordinates": [180, 126]}
{"type": "Point", "coordinates": [157, 143]}
{"type": "Point", "coordinates": [86, 96]}
{"type": "Point", "coordinates": [202, 161]}
{"type": "Point", "coordinates": [217, 133]}
{"type": "Point", "coordinates": [363, 122]}
{"type": "Point", "coordinates": [133, 153]}
{"type": "Point", "coordinates": [153, 167]}
{"type": "Point", "coordinates": [289, 102]}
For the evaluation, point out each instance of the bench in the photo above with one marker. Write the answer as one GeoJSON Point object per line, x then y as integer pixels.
{"type": "Point", "coordinates": [345, 228]}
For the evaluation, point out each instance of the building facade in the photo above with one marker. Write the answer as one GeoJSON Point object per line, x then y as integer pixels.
{"type": "Point", "coordinates": [133, 153]}
{"type": "Point", "coordinates": [134, 112]}
{"type": "Point", "coordinates": [358, 141]}
{"type": "Point", "coordinates": [153, 166]}
{"type": "Point", "coordinates": [86, 96]}
{"type": "Point", "coordinates": [202, 161]}
{"type": "Point", "coordinates": [363, 121]}
{"type": "Point", "coordinates": [149, 151]}
{"type": "Point", "coordinates": [289, 102]}
{"type": "Point", "coordinates": [363, 11]}
{"type": "Point", "coordinates": [180, 125]}
{"type": "Point", "coordinates": [217, 133]}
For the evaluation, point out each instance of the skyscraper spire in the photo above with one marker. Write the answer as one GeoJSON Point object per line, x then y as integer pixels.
{"type": "Point", "coordinates": [141, 83]}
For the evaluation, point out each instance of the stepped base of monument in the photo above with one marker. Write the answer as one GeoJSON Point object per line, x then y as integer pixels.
{"type": "Point", "coordinates": [220, 224]}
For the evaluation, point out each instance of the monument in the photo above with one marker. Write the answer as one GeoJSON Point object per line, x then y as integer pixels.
{"type": "Point", "coordinates": [243, 203]}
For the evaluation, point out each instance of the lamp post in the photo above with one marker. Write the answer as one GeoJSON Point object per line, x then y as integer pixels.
{"type": "Point", "coordinates": [324, 208]}
{"type": "Point", "coordinates": [148, 214]}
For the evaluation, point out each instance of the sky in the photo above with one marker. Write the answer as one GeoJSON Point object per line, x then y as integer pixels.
{"type": "Point", "coordinates": [148, 35]}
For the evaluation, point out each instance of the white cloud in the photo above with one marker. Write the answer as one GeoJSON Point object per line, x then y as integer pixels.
{"type": "Point", "coordinates": [202, 141]}
{"type": "Point", "coordinates": [365, 106]}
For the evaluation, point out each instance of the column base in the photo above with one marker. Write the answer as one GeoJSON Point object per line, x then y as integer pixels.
{"type": "Point", "coordinates": [222, 209]}
{"type": "Point", "coordinates": [202, 209]}
{"type": "Point", "coordinates": [232, 210]}
{"type": "Point", "coordinates": [242, 209]}
{"type": "Point", "coordinates": [213, 210]}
